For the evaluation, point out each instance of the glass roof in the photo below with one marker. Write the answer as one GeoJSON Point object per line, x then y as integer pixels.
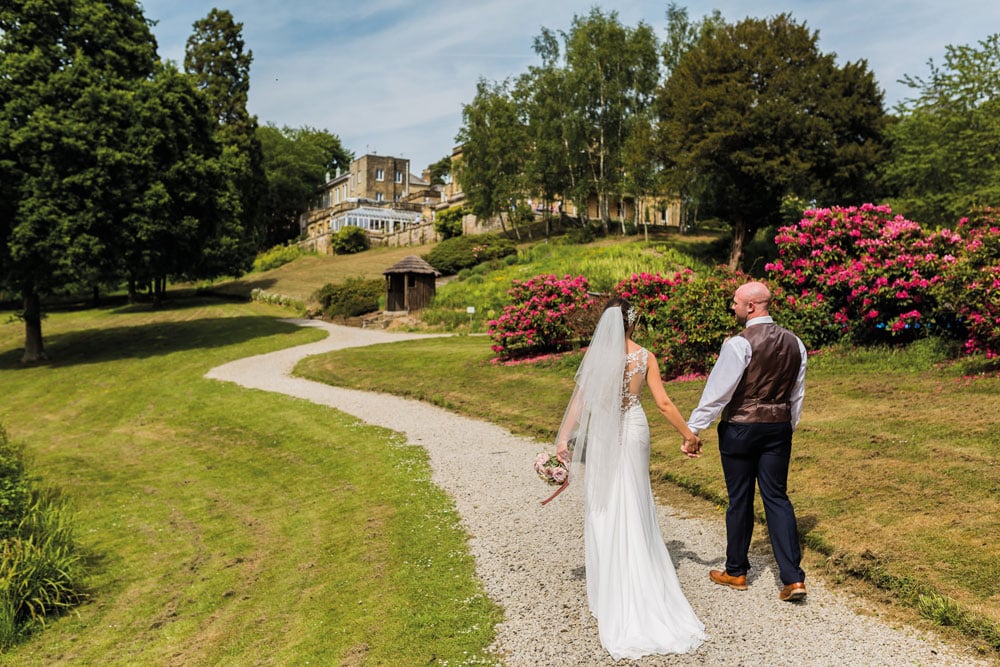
{"type": "Point", "coordinates": [379, 214]}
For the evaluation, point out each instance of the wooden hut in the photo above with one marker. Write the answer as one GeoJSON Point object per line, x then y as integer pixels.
{"type": "Point", "coordinates": [409, 284]}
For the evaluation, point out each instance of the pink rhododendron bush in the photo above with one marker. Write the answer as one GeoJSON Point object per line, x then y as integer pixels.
{"type": "Point", "coordinates": [858, 273]}
{"type": "Point", "coordinates": [540, 316]}
{"type": "Point", "coordinates": [885, 279]}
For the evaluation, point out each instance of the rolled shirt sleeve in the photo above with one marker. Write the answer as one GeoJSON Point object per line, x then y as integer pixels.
{"type": "Point", "coordinates": [722, 382]}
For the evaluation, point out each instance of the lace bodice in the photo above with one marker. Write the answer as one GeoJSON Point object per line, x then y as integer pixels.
{"type": "Point", "coordinates": [635, 377]}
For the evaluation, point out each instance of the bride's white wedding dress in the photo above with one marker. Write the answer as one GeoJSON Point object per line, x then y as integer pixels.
{"type": "Point", "coordinates": [631, 584]}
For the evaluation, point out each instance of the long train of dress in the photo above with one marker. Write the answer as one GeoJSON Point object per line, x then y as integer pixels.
{"type": "Point", "coordinates": [632, 587]}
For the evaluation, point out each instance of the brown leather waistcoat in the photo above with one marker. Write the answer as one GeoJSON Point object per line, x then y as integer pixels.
{"type": "Point", "coordinates": [763, 395]}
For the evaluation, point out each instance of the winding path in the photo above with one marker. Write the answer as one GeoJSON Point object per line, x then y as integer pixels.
{"type": "Point", "coordinates": [530, 559]}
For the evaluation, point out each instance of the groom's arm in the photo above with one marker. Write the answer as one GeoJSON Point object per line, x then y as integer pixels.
{"type": "Point", "coordinates": [722, 382]}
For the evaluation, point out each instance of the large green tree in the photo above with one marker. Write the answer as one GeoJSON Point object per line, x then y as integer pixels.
{"type": "Point", "coordinates": [296, 161]}
{"type": "Point", "coordinates": [946, 145]}
{"type": "Point", "coordinates": [493, 155]}
{"type": "Point", "coordinates": [556, 166]}
{"type": "Point", "coordinates": [178, 177]}
{"type": "Point", "coordinates": [754, 112]}
{"type": "Point", "coordinates": [611, 73]}
{"type": "Point", "coordinates": [68, 70]}
{"type": "Point", "coordinates": [218, 60]}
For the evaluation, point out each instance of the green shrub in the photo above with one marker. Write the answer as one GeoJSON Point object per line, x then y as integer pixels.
{"type": "Point", "coordinates": [350, 240]}
{"type": "Point", "coordinates": [277, 256]}
{"type": "Point", "coordinates": [41, 572]}
{"type": "Point", "coordinates": [264, 296]}
{"type": "Point", "coordinates": [462, 252]}
{"type": "Point", "coordinates": [448, 223]}
{"type": "Point", "coordinates": [353, 297]}
{"type": "Point", "coordinates": [14, 491]}
{"type": "Point", "coordinates": [582, 235]}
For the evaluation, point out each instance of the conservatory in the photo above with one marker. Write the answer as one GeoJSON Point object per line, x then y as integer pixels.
{"type": "Point", "coordinates": [371, 219]}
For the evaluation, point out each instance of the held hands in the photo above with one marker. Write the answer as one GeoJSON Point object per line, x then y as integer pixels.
{"type": "Point", "coordinates": [563, 453]}
{"type": "Point", "coordinates": [691, 447]}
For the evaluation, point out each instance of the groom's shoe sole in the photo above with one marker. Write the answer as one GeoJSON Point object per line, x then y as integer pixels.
{"type": "Point", "coordinates": [793, 592]}
{"type": "Point", "coordinates": [725, 579]}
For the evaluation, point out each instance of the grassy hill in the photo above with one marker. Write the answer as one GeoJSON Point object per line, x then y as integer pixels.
{"type": "Point", "coordinates": [299, 279]}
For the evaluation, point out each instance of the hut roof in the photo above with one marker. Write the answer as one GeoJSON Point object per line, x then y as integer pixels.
{"type": "Point", "coordinates": [411, 264]}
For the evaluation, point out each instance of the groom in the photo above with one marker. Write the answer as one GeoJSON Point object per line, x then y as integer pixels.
{"type": "Point", "coordinates": [757, 385]}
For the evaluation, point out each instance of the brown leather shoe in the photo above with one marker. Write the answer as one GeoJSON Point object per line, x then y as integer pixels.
{"type": "Point", "coordinates": [726, 579]}
{"type": "Point", "coordinates": [793, 592]}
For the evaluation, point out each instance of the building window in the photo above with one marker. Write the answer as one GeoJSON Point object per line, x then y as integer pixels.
{"type": "Point", "coordinates": [380, 174]}
{"type": "Point", "coordinates": [379, 196]}
{"type": "Point", "coordinates": [336, 196]}
{"type": "Point", "coordinates": [396, 198]}
{"type": "Point", "coordinates": [399, 176]}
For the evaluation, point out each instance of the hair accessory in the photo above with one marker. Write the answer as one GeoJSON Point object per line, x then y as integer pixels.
{"type": "Point", "coordinates": [632, 316]}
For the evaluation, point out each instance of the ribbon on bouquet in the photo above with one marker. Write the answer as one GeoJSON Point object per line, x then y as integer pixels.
{"type": "Point", "coordinates": [562, 487]}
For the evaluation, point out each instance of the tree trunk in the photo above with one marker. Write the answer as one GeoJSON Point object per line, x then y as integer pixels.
{"type": "Point", "coordinates": [517, 232]}
{"type": "Point", "coordinates": [33, 348]}
{"type": "Point", "coordinates": [739, 240]}
{"type": "Point", "coordinates": [95, 300]}
{"type": "Point", "coordinates": [132, 294]}
{"type": "Point", "coordinates": [604, 208]}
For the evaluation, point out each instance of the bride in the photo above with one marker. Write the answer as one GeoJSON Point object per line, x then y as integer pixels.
{"type": "Point", "coordinates": [632, 588]}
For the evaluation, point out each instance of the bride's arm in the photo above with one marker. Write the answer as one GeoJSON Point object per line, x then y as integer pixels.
{"type": "Point", "coordinates": [663, 402]}
{"type": "Point", "coordinates": [571, 420]}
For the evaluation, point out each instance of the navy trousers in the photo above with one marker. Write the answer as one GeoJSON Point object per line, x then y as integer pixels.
{"type": "Point", "coordinates": [759, 453]}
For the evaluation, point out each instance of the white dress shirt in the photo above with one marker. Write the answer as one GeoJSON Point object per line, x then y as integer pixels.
{"type": "Point", "coordinates": [734, 357]}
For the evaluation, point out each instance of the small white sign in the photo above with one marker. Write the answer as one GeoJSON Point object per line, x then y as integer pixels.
{"type": "Point", "coordinates": [471, 310]}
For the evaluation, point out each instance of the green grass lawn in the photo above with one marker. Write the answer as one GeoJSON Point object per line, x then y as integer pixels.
{"type": "Point", "coordinates": [229, 526]}
{"type": "Point", "coordinates": [895, 470]}
{"type": "Point", "coordinates": [299, 279]}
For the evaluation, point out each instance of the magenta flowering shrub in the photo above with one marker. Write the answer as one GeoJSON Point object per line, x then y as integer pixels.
{"type": "Point", "coordinates": [540, 316]}
{"type": "Point", "coordinates": [684, 319]}
{"type": "Point", "coordinates": [874, 271]}
{"type": "Point", "coordinates": [970, 285]}
{"type": "Point", "coordinates": [649, 292]}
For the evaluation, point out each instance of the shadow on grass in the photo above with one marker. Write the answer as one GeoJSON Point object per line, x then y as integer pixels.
{"type": "Point", "coordinates": [91, 346]}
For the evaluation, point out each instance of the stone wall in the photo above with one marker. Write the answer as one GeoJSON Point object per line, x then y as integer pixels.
{"type": "Point", "coordinates": [417, 235]}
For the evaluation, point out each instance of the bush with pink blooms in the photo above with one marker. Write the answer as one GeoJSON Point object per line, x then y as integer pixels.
{"type": "Point", "coordinates": [970, 285]}
{"type": "Point", "coordinates": [684, 319]}
{"type": "Point", "coordinates": [885, 279]}
{"type": "Point", "coordinates": [874, 270]}
{"type": "Point", "coordinates": [540, 316]}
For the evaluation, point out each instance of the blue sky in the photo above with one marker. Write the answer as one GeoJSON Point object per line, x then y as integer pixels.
{"type": "Point", "coordinates": [391, 76]}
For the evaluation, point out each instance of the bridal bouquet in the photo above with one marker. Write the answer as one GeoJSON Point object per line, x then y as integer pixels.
{"type": "Point", "coordinates": [550, 469]}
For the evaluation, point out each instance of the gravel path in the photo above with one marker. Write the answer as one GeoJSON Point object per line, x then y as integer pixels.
{"type": "Point", "coordinates": [530, 558]}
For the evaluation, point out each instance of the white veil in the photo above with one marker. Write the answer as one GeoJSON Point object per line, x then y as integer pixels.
{"type": "Point", "coordinates": [592, 420]}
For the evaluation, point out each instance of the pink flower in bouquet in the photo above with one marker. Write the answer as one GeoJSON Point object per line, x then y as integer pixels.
{"type": "Point", "coordinates": [550, 469]}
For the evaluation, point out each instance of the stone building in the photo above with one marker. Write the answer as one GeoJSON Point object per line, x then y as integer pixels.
{"type": "Point", "coordinates": [378, 194]}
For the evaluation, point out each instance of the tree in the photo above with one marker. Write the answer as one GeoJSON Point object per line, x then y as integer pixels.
{"type": "Point", "coordinates": [683, 35]}
{"type": "Point", "coordinates": [611, 73]}
{"type": "Point", "coordinates": [295, 162]}
{"type": "Point", "coordinates": [555, 165]}
{"type": "Point", "coordinates": [68, 69]}
{"type": "Point", "coordinates": [946, 145]}
{"type": "Point", "coordinates": [215, 56]}
{"type": "Point", "coordinates": [440, 171]}
{"type": "Point", "coordinates": [177, 177]}
{"type": "Point", "coordinates": [753, 112]}
{"type": "Point", "coordinates": [493, 138]}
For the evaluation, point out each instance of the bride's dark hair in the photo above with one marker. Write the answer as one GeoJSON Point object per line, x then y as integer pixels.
{"type": "Point", "coordinates": [629, 313]}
